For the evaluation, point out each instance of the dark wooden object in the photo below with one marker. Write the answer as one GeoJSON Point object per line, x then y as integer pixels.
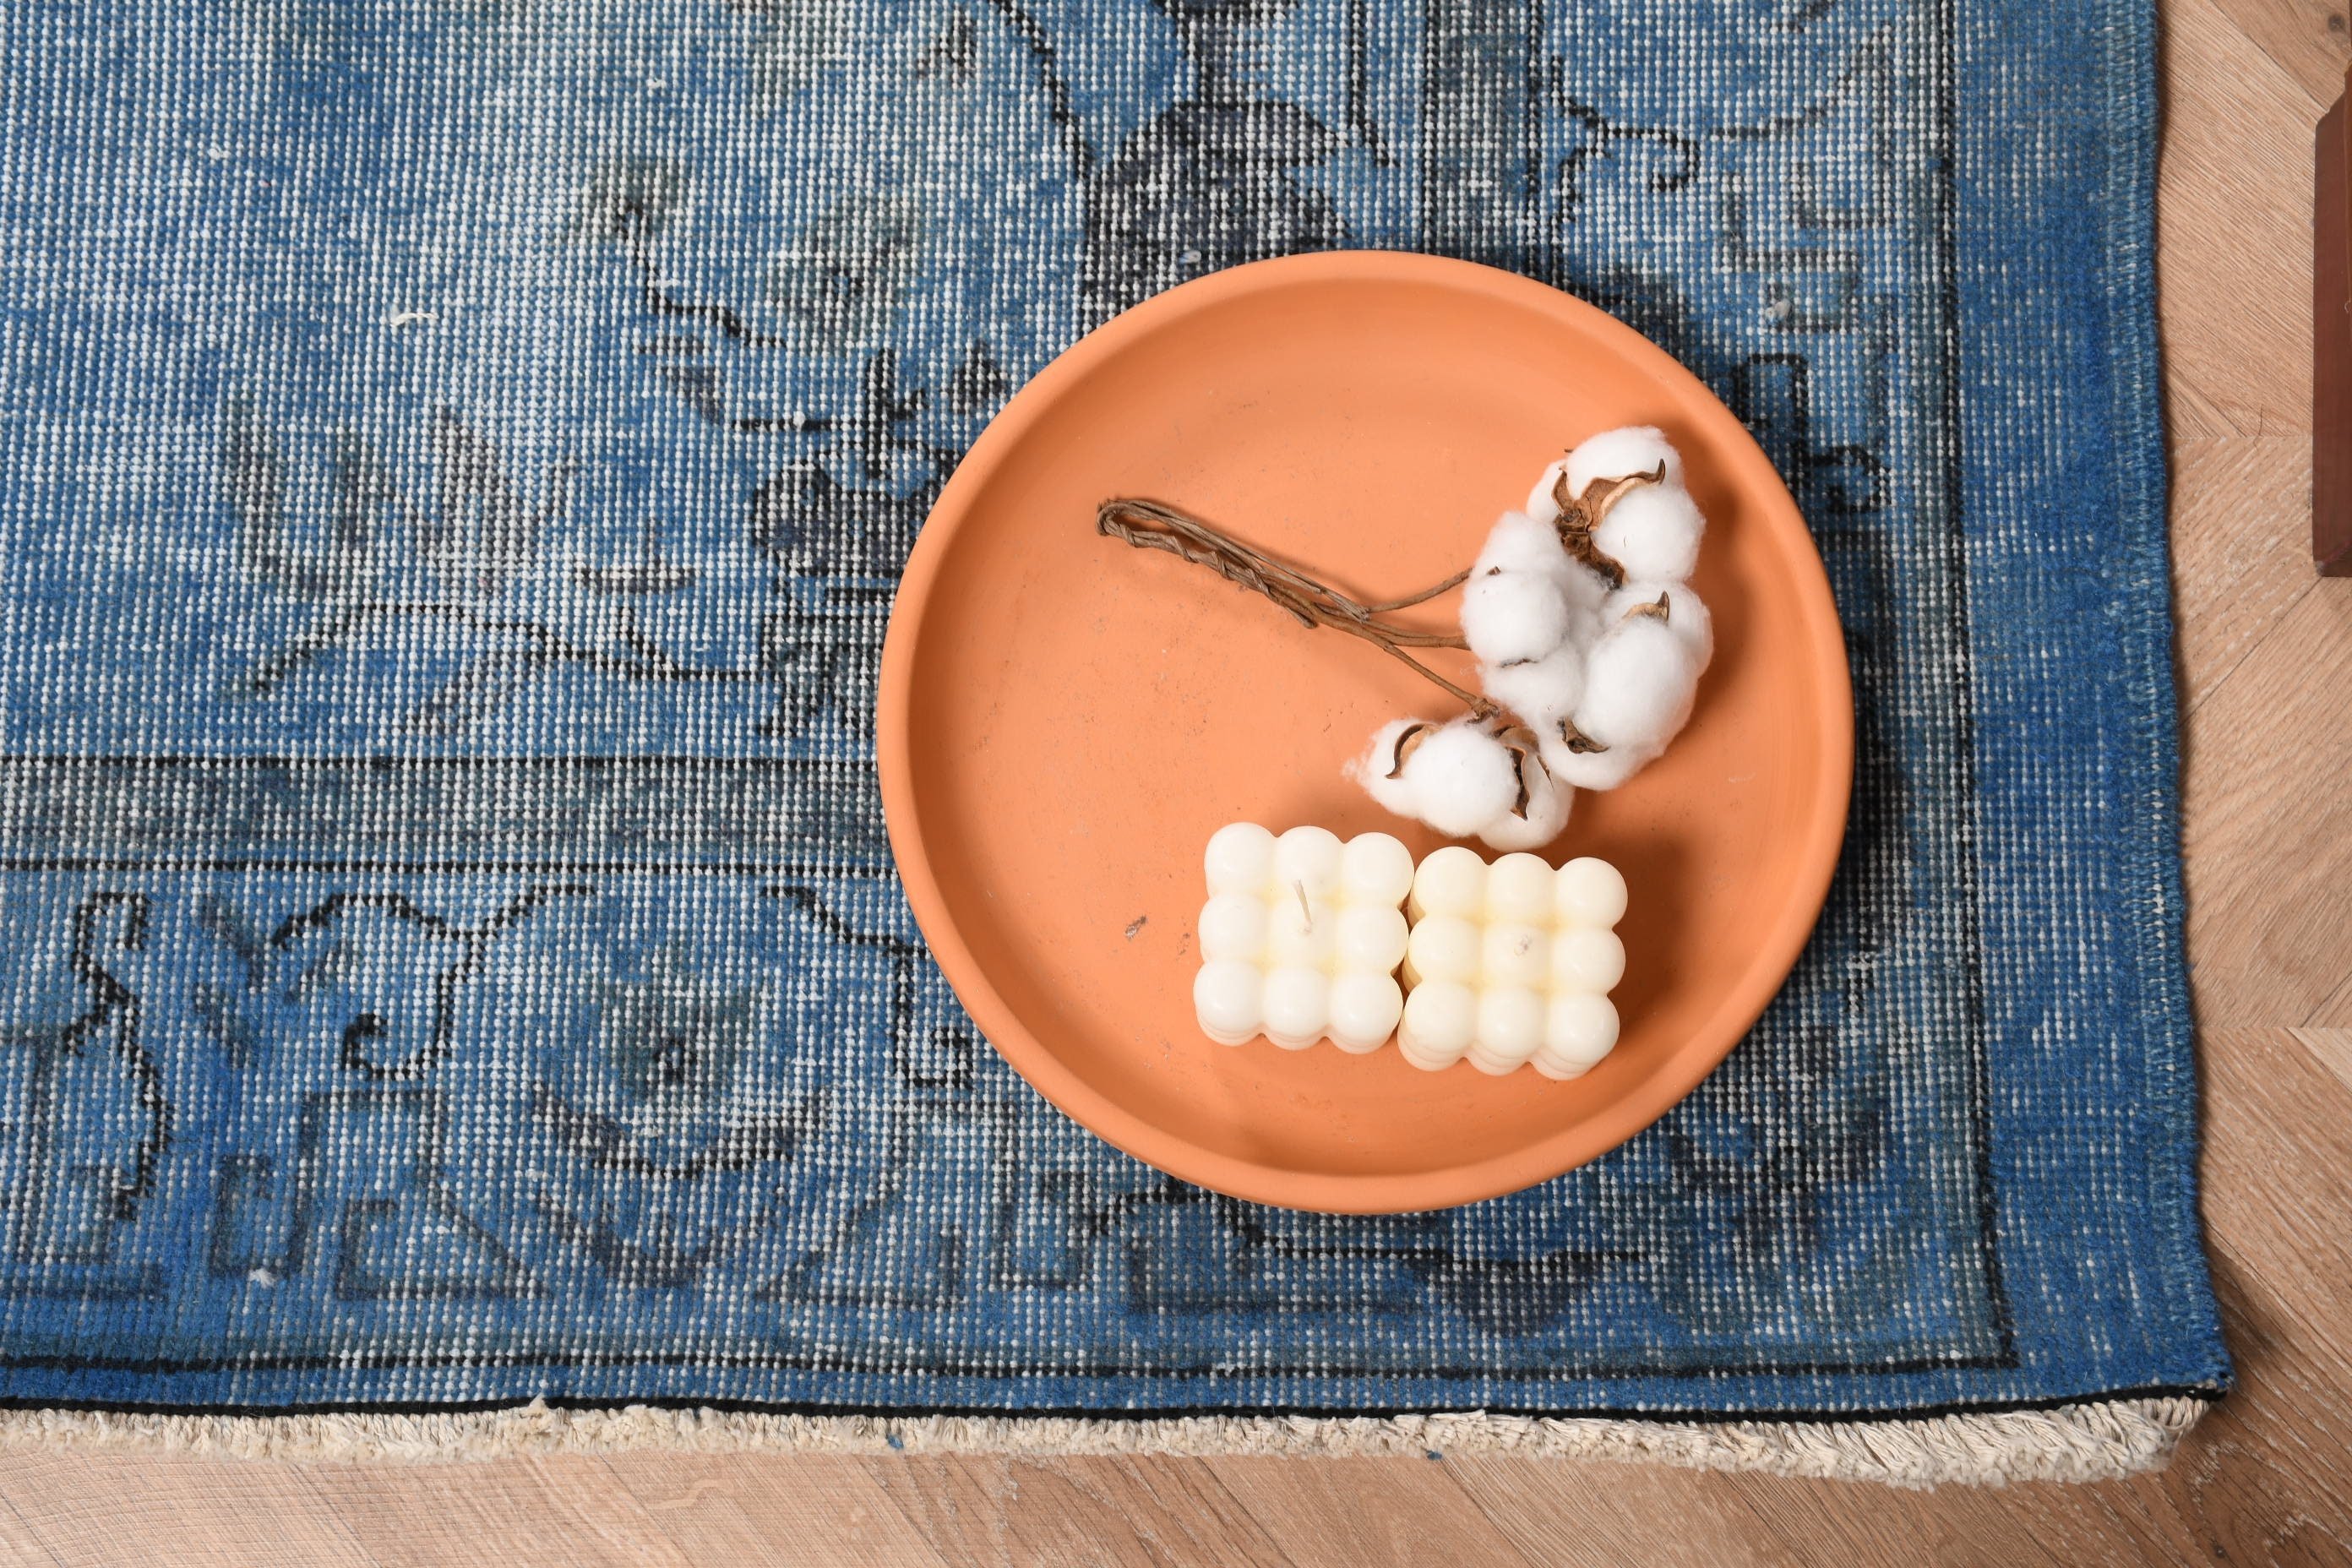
{"type": "Point", "coordinates": [2331, 365]}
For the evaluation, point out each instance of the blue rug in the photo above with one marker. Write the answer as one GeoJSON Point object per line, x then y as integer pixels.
{"type": "Point", "coordinates": [454, 463]}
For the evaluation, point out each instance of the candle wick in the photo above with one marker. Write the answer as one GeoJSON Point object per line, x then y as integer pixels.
{"type": "Point", "coordinates": [1303, 906]}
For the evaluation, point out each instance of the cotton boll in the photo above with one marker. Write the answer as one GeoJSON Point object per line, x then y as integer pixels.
{"type": "Point", "coordinates": [1687, 615]}
{"type": "Point", "coordinates": [1585, 591]}
{"type": "Point", "coordinates": [1639, 683]}
{"type": "Point", "coordinates": [1613, 454]}
{"type": "Point", "coordinates": [1530, 543]}
{"type": "Point", "coordinates": [1594, 770]}
{"type": "Point", "coordinates": [1653, 532]}
{"type": "Point", "coordinates": [1520, 543]}
{"type": "Point", "coordinates": [1372, 769]}
{"type": "Point", "coordinates": [1548, 800]}
{"type": "Point", "coordinates": [1507, 617]}
{"type": "Point", "coordinates": [1461, 778]}
{"type": "Point", "coordinates": [1456, 777]}
{"type": "Point", "coordinates": [1640, 680]}
{"type": "Point", "coordinates": [1541, 691]}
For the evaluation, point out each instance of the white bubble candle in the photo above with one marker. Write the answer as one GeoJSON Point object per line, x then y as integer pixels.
{"type": "Point", "coordinates": [1301, 937]}
{"type": "Point", "coordinates": [1510, 964]}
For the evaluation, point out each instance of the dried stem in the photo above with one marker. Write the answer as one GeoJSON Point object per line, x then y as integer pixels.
{"type": "Point", "coordinates": [1147, 525]}
{"type": "Point", "coordinates": [1410, 600]}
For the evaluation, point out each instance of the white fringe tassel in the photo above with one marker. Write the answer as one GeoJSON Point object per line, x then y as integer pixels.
{"type": "Point", "coordinates": [2085, 1442]}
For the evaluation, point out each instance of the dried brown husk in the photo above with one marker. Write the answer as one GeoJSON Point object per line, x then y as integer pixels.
{"type": "Point", "coordinates": [1580, 515]}
{"type": "Point", "coordinates": [1578, 742]}
{"type": "Point", "coordinates": [1408, 742]}
{"type": "Point", "coordinates": [1520, 742]}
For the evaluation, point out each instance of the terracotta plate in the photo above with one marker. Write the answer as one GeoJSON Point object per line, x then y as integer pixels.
{"type": "Point", "coordinates": [1065, 720]}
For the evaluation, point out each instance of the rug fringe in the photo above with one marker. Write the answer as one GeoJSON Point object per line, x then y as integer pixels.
{"type": "Point", "coordinates": [2091, 1441]}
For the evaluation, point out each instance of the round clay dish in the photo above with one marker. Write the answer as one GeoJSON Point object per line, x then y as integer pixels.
{"type": "Point", "coordinates": [1065, 720]}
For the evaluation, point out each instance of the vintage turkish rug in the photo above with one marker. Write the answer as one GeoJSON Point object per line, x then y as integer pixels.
{"type": "Point", "coordinates": [454, 458]}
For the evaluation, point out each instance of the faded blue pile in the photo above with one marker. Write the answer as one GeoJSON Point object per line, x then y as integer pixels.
{"type": "Point", "coordinates": [455, 459]}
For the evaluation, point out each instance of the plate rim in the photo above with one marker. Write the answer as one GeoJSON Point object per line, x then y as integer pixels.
{"type": "Point", "coordinates": [1253, 1181]}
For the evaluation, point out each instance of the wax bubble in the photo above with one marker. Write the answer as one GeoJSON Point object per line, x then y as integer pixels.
{"type": "Point", "coordinates": [1365, 1009]}
{"type": "Point", "coordinates": [1375, 869]}
{"type": "Point", "coordinates": [1228, 995]}
{"type": "Point", "coordinates": [1233, 925]}
{"type": "Point", "coordinates": [1308, 857]}
{"type": "Point", "coordinates": [1240, 858]}
{"type": "Point", "coordinates": [1440, 1018]}
{"type": "Point", "coordinates": [1451, 881]}
{"type": "Point", "coordinates": [1588, 891]}
{"type": "Point", "coordinates": [1298, 1006]}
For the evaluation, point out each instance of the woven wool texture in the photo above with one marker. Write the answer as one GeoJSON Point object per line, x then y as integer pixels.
{"type": "Point", "coordinates": [455, 460]}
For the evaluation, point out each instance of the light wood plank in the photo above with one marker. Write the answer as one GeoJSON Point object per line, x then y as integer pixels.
{"type": "Point", "coordinates": [2269, 821]}
{"type": "Point", "coordinates": [1616, 1513]}
{"type": "Point", "coordinates": [2241, 556]}
{"type": "Point", "coordinates": [2266, 1477]}
{"type": "Point", "coordinates": [2330, 1047]}
{"type": "Point", "coordinates": [747, 1507]}
{"type": "Point", "coordinates": [122, 1509]}
{"type": "Point", "coordinates": [2233, 231]}
{"type": "Point", "coordinates": [1364, 1511]}
{"type": "Point", "coordinates": [2335, 1012]}
{"type": "Point", "coordinates": [2306, 39]}
{"type": "Point", "coordinates": [520, 1512]}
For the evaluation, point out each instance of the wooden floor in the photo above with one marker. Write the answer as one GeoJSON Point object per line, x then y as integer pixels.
{"type": "Point", "coordinates": [2266, 687]}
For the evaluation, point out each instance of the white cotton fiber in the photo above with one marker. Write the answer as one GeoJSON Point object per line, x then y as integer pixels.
{"type": "Point", "coordinates": [1687, 615]}
{"type": "Point", "coordinates": [1372, 769]}
{"type": "Point", "coordinates": [1542, 503]}
{"type": "Point", "coordinates": [1461, 778]}
{"type": "Point", "coordinates": [1592, 770]}
{"type": "Point", "coordinates": [1507, 617]}
{"type": "Point", "coordinates": [1613, 454]}
{"type": "Point", "coordinates": [1518, 543]}
{"type": "Point", "coordinates": [1456, 777]}
{"type": "Point", "coordinates": [1540, 692]}
{"type": "Point", "coordinates": [1521, 542]}
{"type": "Point", "coordinates": [1640, 679]}
{"type": "Point", "coordinates": [1548, 806]}
{"type": "Point", "coordinates": [1584, 590]}
{"type": "Point", "coordinates": [1633, 676]}
{"type": "Point", "coordinates": [1653, 532]}
{"type": "Point", "coordinates": [1639, 683]}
